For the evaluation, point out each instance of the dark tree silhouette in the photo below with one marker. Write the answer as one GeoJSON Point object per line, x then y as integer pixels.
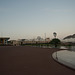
{"type": "Point", "coordinates": [55, 42]}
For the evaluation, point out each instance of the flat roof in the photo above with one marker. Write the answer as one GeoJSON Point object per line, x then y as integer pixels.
{"type": "Point", "coordinates": [4, 37]}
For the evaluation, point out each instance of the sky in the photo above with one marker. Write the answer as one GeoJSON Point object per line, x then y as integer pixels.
{"type": "Point", "coordinates": [27, 19]}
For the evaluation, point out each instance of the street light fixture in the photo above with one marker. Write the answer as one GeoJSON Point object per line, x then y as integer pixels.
{"type": "Point", "coordinates": [55, 34]}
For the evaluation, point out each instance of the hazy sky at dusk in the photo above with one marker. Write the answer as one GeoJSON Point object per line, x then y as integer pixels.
{"type": "Point", "coordinates": [31, 18]}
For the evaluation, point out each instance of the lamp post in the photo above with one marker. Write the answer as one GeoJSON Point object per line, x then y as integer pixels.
{"type": "Point", "coordinates": [55, 34]}
{"type": "Point", "coordinates": [45, 37]}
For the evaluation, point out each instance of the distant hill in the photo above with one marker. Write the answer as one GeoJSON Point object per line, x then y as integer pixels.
{"type": "Point", "coordinates": [70, 36]}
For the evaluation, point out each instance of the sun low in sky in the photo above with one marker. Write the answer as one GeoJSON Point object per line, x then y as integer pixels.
{"type": "Point", "coordinates": [32, 18]}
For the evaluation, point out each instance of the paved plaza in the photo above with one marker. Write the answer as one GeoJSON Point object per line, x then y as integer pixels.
{"type": "Point", "coordinates": [26, 60]}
